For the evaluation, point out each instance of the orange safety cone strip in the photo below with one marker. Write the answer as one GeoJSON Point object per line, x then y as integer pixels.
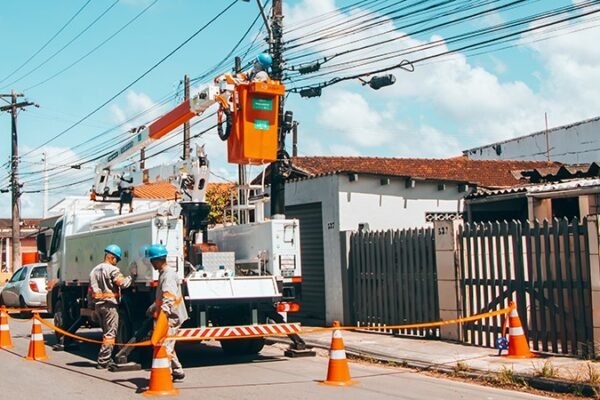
{"type": "Point", "coordinates": [5, 340]}
{"type": "Point", "coordinates": [338, 372]}
{"type": "Point", "coordinates": [161, 381]}
{"type": "Point", "coordinates": [37, 348]}
{"type": "Point", "coordinates": [518, 346]}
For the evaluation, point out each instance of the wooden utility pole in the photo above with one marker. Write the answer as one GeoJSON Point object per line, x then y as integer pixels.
{"type": "Point", "coordinates": [276, 50]}
{"type": "Point", "coordinates": [186, 125]}
{"type": "Point", "coordinates": [13, 107]}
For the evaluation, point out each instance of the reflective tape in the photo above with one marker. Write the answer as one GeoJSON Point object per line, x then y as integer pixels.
{"type": "Point", "coordinates": [518, 331]}
{"type": "Point", "coordinates": [337, 334]}
{"type": "Point", "coordinates": [513, 313]}
{"type": "Point", "coordinates": [337, 354]}
{"type": "Point", "coordinates": [3, 327]}
{"type": "Point", "coordinates": [161, 363]}
{"type": "Point", "coordinates": [37, 337]}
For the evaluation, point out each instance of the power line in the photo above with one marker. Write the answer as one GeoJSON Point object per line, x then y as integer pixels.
{"type": "Point", "coordinates": [65, 46]}
{"type": "Point", "coordinates": [95, 48]}
{"type": "Point", "coordinates": [137, 79]}
{"type": "Point", "coordinates": [47, 42]}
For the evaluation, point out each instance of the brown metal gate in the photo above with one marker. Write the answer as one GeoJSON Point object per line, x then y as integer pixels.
{"type": "Point", "coordinates": [394, 279]}
{"type": "Point", "coordinates": [544, 267]}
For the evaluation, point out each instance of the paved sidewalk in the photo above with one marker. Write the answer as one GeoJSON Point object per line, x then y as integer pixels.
{"type": "Point", "coordinates": [446, 356]}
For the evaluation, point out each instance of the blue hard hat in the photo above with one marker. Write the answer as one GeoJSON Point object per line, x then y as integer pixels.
{"type": "Point", "coordinates": [265, 60]}
{"type": "Point", "coordinates": [156, 251]}
{"type": "Point", "coordinates": [114, 250]}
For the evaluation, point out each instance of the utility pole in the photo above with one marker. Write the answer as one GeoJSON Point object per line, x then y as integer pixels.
{"type": "Point", "coordinates": [45, 159]}
{"type": "Point", "coordinates": [14, 176]}
{"type": "Point", "coordinates": [186, 125]}
{"type": "Point", "coordinates": [276, 50]}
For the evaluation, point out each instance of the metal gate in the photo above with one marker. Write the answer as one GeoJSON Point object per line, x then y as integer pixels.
{"type": "Point", "coordinates": [312, 302]}
{"type": "Point", "coordinates": [544, 267]}
{"type": "Point", "coordinates": [394, 278]}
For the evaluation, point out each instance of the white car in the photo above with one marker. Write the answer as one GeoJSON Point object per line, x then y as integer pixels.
{"type": "Point", "coordinates": [26, 287]}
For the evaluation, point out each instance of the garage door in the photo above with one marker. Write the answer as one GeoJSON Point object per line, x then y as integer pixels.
{"type": "Point", "coordinates": [312, 305]}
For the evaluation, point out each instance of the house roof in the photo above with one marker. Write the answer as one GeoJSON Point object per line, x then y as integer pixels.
{"type": "Point", "coordinates": [493, 174]}
{"type": "Point", "coordinates": [158, 190]}
{"type": "Point", "coordinates": [539, 188]}
{"type": "Point", "coordinates": [166, 191]}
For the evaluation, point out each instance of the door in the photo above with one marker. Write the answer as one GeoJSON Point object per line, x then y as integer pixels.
{"type": "Point", "coordinates": [312, 302]}
{"type": "Point", "coordinates": [10, 293]}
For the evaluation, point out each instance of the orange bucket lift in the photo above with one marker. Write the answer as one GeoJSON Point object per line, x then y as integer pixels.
{"type": "Point", "coordinates": [254, 134]}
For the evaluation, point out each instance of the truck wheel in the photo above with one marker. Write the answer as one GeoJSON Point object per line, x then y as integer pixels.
{"type": "Point", "coordinates": [61, 318]}
{"type": "Point", "coordinates": [239, 347]}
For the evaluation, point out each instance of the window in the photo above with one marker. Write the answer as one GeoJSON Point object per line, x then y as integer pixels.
{"type": "Point", "coordinates": [17, 275]}
{"type": "Point", "coordinates": [39, 272]}
{"type": "Point", "coordinates": [56, 236]}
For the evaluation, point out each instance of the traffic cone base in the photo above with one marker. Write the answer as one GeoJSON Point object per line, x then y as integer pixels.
{"type": "Point", "coordinates": [161, 381]}
{"type": "Point", "coordinates": [5, 340]}
{"type": "Point", "coordinates": [338, 372]}
{"type": "Point", "coordinates": [518, 346]}
{"type": "Point", "coordinates": [37, 348]}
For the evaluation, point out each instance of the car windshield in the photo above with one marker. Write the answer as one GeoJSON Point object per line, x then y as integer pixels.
{"type": "Point", "coordinates": [39, 272]}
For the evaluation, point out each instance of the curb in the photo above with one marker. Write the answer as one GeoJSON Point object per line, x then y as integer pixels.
{"type": "Point", "coordinates": [544, 384]}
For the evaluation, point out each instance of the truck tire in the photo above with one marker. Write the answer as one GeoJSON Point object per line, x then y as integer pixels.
{"type": "Point", "coordinates": [242, 347]}
{"type": "Point", "coordinates": [61, 318]}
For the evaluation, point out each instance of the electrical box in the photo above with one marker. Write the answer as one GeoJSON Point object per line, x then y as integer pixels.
{"type": "Point", "coordinates": [253, 138]}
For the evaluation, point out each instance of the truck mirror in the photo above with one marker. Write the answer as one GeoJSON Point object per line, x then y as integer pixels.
{"type": "Point", "coordinates": [41, 246]}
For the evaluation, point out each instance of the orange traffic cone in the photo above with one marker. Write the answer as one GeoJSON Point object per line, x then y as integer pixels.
{"type": "Point", "coordinates": [161, 382]}
{"type": "Point", "coordinates": [338, 373]}
{"type": "Point", "coordinates": [518, 346]}
{"type": "Point", "coordinates": [5, 340]}
{"type": "Point", "coordinates": [37, 348]}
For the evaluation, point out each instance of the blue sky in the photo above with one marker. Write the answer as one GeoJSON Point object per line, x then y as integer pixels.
{"type": "Point", "coordinates": [436, 111]}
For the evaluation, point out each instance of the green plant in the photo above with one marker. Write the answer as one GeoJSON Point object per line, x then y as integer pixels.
{"type": "Point", "coordinates": [593, 377]}
{"type": "Point", "coordinates": [546, 370]}
{"type": "Point", "coordinates": [460, 367]}
{"type": "Point", "coordinates": [506, 377]}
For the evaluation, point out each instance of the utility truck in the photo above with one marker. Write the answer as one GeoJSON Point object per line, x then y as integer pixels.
{"type": "Point", "coordinates": [238, 280]}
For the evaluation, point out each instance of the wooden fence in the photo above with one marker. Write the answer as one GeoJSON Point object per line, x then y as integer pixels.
{"type": "Point", "coordinates": [394, 279]}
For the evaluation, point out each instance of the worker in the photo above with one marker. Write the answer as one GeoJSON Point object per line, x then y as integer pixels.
{"type": "Point", "coordinates": [125, 189]}
{"type": "Point", "coordinates": [106, 281]}
{"type": "Point", "coordinates": [168, 299]}
{"type": "Point", "coordinates": [260, 70]}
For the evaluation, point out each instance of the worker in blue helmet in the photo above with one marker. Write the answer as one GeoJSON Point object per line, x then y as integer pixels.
{"type": "Point", "coordinates": [169, 300]}
{"type": "Point", "coordinates": [260, 70]}
{"type": "Point", "coordinates": [106, 281]}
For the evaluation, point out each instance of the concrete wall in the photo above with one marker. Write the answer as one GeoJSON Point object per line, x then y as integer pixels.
{"type": "Point", "coordinates": [393, 206]}
{"type": "Point", "coordinates": [324, 190]}
{"type": "Point", "coordinates": [571, 144]}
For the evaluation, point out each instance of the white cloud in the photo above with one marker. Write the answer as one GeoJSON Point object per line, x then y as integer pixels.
{"type": "Point", "coordinates": [348, 115]}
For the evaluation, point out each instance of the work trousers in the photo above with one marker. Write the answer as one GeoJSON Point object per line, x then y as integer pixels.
{"type": "Point", "coordinates": [109, 321]}
{"type": "Point", "coordinates": [176, 366]}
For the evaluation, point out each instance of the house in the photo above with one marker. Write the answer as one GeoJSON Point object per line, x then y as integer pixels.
{"type": "Point", "coordinates": [569, 144]}
{"type": "Point", "coordinates": [330, 195]}
{"type": "Point", "coordinates": [29, 228]}
{"type": "Point", "coordinates": [571, 191]}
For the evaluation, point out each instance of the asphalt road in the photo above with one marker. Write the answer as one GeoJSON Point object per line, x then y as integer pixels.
{"type": "Point", "coordinates": [212, 375]}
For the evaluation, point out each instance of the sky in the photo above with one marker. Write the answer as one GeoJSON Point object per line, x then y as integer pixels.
{"type": "Point", "coordinates": [444, 106]}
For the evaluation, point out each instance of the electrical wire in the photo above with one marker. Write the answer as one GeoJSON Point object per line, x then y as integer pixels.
{"type": "Point", "coordinates": [48, 41]}
{"type": "Point", "coordinates": [68, 67]}
{"type": "Point", "coordinates": [65, 46]}
{"type": "Point", "coordinates": [63, 132]}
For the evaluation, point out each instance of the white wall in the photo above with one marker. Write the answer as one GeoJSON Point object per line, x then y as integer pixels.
{"type": "Point", "coordinates": [572, 144]}
{"type": "Point", "coordinates": [324, 190]}
{"type": "Point", "coordinates": [393, 206]}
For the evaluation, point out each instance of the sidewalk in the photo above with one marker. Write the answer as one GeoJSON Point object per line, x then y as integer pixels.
{"type": "Point", "coordinates": [549, 373]}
